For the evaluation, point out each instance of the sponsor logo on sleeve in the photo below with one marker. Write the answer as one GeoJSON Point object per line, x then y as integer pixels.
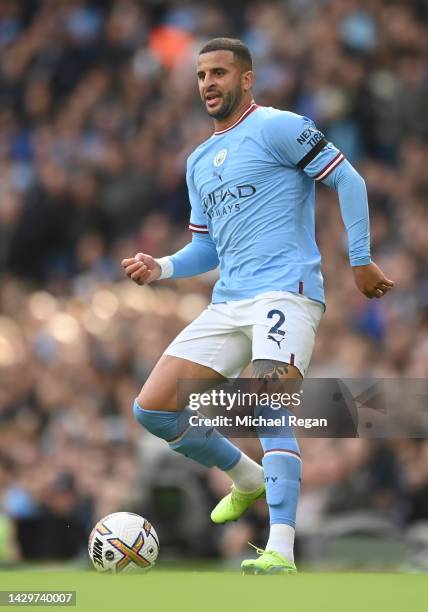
{"type": "Point", "coordinates": [310, 136]}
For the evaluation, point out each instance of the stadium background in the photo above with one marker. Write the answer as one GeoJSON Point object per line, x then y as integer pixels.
{"type": "Point", "coordinates": [98, 111]}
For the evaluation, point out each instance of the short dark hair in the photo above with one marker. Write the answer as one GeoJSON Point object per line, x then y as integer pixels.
{"type": "Point", "coordinates": [238, 48]}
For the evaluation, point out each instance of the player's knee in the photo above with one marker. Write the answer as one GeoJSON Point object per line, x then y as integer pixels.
{"type": "Point", "coordinates": [162, 424]}
{"type": "Point", "coordinates": [149, 419]}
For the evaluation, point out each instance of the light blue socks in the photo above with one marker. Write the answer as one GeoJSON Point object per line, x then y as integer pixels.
{"type": "Point", "coordinates": [202, 443]}
{"type": "Point", "coordinates": [282, 467]}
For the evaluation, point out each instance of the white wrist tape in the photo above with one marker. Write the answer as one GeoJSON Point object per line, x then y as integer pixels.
{"type": "Point", "coordinates": [167, 267]}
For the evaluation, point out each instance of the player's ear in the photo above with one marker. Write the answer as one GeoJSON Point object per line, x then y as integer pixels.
{"type": "Point", "coordinates": [247, 80]}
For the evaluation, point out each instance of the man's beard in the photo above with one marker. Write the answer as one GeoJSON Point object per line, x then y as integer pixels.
{"type": "Point", "coordinates": [230, 102]}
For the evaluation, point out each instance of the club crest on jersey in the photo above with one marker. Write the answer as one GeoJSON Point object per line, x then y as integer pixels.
{"type": "Point", "coordinates": [220, 157]}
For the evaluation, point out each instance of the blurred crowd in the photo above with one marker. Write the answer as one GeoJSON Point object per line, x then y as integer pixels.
{"type": "Point", "coordinates": [98, 112]}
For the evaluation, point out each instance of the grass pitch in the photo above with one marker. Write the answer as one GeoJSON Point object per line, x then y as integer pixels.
{"type": "Point", "coordinates": [218, 591]}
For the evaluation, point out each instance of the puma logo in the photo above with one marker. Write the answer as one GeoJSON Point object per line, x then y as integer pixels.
{"type": "Point", "coordinates": [270, 337]}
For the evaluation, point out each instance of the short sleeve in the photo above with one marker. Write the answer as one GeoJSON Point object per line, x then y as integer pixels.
{"type": "Point", "coordinates": [296, 141]}
{"type": "Point", "coordinates": [198, 222]}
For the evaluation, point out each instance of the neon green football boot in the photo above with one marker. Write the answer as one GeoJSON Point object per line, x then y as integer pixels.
{"type": "Point", "coordinates": [269, 562]}
{"type": "Point", "coordinates": [233, 506]}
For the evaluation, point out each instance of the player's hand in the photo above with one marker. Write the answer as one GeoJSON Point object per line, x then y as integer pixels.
{"type": "Point", "coordinates": [142, 269]}
{"type": "Point", "coordinates": [371, 281]}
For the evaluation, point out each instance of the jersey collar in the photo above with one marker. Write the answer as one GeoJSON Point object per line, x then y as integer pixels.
{"type": "Point", "coordinates": [253, 106]}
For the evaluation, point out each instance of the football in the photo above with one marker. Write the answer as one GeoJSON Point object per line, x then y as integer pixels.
{"type": "Point", "coordinates": [123, 542]}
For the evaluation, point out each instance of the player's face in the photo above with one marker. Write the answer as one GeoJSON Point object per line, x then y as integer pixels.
{"type": "Point", "coordinates": [222, 82]}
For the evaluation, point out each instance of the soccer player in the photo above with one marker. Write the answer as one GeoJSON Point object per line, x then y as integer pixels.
{"type": "Point", "coordinates": [252, 194]}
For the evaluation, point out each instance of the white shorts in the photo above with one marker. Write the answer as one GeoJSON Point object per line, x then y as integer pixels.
{"type": "Point", "coordinates": [278, 325]}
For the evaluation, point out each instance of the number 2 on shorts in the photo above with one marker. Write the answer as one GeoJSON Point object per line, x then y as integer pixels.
{"type": "Point", "coordinates": [275, 329]}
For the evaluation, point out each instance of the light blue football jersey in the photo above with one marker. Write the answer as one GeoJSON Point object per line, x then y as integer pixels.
{"type": "Point", "coordinates": [252, 188]}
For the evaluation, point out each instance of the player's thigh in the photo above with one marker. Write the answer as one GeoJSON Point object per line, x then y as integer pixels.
{"type": "Point", "coordinates": [160, 391]}
{"type": "Point", "coordinates": [214, 340]}
{"type": "Point", "coordinates": [284, 332]}
{"type": "Point", "coordinates": [275, 377]}
{"type": "Point", "coordinates": [209, 348]}
{"type": "Point", "coordinates": [274, 370]}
